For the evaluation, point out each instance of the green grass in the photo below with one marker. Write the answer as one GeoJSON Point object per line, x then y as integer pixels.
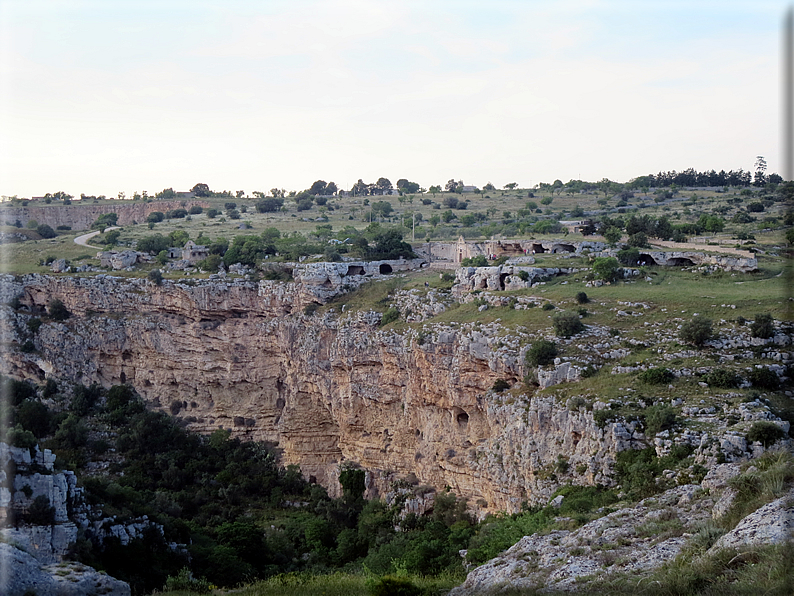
{"type": "Point", "coordinates": [336, 584]}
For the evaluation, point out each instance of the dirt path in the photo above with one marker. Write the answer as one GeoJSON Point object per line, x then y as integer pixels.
{"type": "Point", "coordinates": [83, 240]}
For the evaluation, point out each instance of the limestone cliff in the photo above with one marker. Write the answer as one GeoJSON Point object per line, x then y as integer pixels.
{"type": "Point", "coordinates": [241, 355]}
{"type": "Point", "coordinates": [80, 217]}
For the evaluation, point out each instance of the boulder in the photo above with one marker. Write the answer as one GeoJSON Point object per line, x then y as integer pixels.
{"type": "Point", "coordinates": [771, 524]}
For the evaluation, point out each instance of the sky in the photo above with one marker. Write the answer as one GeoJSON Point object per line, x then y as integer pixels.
{"type": "Point", "coordinates": [99, 97]}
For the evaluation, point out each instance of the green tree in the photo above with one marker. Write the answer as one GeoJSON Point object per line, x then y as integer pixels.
{"type": "Point", "coordinates": [57, 310]}
{"type": "Point", "coordinates": [201, 190]}
{"type": "Point", "coordinates": [153, 244]}
{"type": "Point", "coordinates": [763, 326]}
{"type": "Point", "coordinates": [696, 331]}
{"type": "Point", "coordinates": [541, 353]}
{"type": "Point", "coordinates": [612, 235]}
{"type": "Point", "coordinates": [606, 268]}
{"type": "Point", "coordinates": [567, 324]}
{"type": "Point", "coordinates": [45, 231]}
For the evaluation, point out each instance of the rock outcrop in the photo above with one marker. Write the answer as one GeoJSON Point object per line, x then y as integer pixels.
{"type": "Point", "coordinates": [21, 574]}
{"type": "Point", "coordinates": [32, 555]}
{"type": "Point", "coordinates": [633, 541]}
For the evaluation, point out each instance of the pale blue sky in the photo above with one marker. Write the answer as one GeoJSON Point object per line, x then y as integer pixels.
{"type": "Point", "coordinates": [107, 96]}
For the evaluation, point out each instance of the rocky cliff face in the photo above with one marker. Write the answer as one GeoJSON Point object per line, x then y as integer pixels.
{"type": "Point", "coordinates": [80, 217]}
{"type": "Point", "coordinates": [242, 356]}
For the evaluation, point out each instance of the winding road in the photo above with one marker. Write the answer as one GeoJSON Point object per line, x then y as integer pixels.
{"type": "Point", "coordinates": [83, 240]}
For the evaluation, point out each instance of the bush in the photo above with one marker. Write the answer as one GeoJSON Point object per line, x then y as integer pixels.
{"type": "Point", "coordinates": [763, 326]}
{"type": "Point", "coordinates": [765, 432]}
{"type": "Point", "coordinates": [547, 306]}
{"type": "Point", "coordinates": [269, 205]}
{"type": "Point", "coordinates": [541, 353]}
{"type": "Point", "coordinates": [153, 244]}
{"type": "Point", "coordinates": [500, 385]}
{"type": "Point", "coordinates": [724, 378]}
{"type": "Point", "coordinates": [764, 378]}
{"type": "Point", "coordinates": [567, 324]}
{"type": "Point", "coordinates": [196, 210]}
{"type": "Point", "coordinates": [582, 298]}
{"type": "Point", "coordinates": [697, 331]}
{"type": "Point", "coordinates": [394, 586]}
{"type": "Point", "coordinates": [155, 277]}
{"type": "Point", "coordinates": [391, 315]}
{"type": "Point", "coordinates": [58, 311]}
{"type": "Point", "coordinates": [155, 217]}
{"type": "Point", "coordinates": [659, 418]}
{"type": "Point", "coordinates": [176, 213]}
{"type": "Point", "coordinates": [478, 261]}
{"type": "Point", "coordinates": [606, 268]}
{"type": "Point", "coordinates": [656, 376]}
{"type": "Point", "coordinates": [45, 231]}
{"type": "Point", "coordinates": [211, 264]}
{"type": "Point", "coordinates": [629, 256]}
{"type": "Point", "coordinates": [212, 213]}
{"type": "Point", "coordinates": [184, 581]}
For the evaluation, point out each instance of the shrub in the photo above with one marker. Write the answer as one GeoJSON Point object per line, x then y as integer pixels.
{"type": "Point", "coordinates": [211, 263]}
{"type": "Point", "coordinates": [763, 326]}
{"type": "Point", "coordinates": [764, 378]}
{"type": "Point", "coordinates": [656, 376]}
{"type": "Point", "coordinates": [697, 331]}
{"type": "Point", "coordinates": [478, 261]}
{"type": "Point", "coordinates": [176, 213]}
{"type": "Point", "coordinates": [394, 586]}
{"type": "Point", "coordinates": [523, 275]}
{"type": "Point", "coordinates": [724, 378]}
{"type": "Point", "coordinates": [765, 432]}
{"type": "Point", "coordinates": [606, 268]}
{"type": "Point", "coordinates": [582, 298]}
{"type": "Point", "coordinates": [155, 217]}
{"type": "Point", "coordinates": [196, 210]}
{"type": "Point", "coordinates": [500, 385]}
{"type": "Point", "coordinates": [212, 213]}
{"type": "Point", "coordinates": [547, 306]}
{"type": "Point", "coordinates": [269, 205]}
{"type": "Point", "coordinates": [185, 582]}
{"type": "Point", "coordinates": [45, 231]}
{"type": "Point", "coordinates": [58, 311]}
{"type": "Point", "coordinates": [155, 277]}
{"type": "Point", "coordinates": [542, 352]}
{"type": "Point", "coordinates": [391, 315]}
{"type": "Point", "coordinates": [567, 324]}
{"type": "Point", "coordinates": [659, 418]}
{"type": "Point", "coordinates": [629, 256]}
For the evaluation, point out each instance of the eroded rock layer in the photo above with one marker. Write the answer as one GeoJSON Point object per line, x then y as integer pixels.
{"type": "Point", "coordinates": [242, 356]}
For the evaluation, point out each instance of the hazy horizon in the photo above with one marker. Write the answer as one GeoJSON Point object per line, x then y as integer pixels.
{"type": "Point", "coordinates": [130, 96]}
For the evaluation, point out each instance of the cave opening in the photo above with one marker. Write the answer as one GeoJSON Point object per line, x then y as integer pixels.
{"type": "Point", "coordinates": [384, 268]}
{"type": "Point", "coordinates": [355, 270]}
{"type": "Point", "coordinates": [680, 262]}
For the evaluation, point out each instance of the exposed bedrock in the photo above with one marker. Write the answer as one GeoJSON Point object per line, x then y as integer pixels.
{"type": "Point", "coordinates": [327, 389]}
